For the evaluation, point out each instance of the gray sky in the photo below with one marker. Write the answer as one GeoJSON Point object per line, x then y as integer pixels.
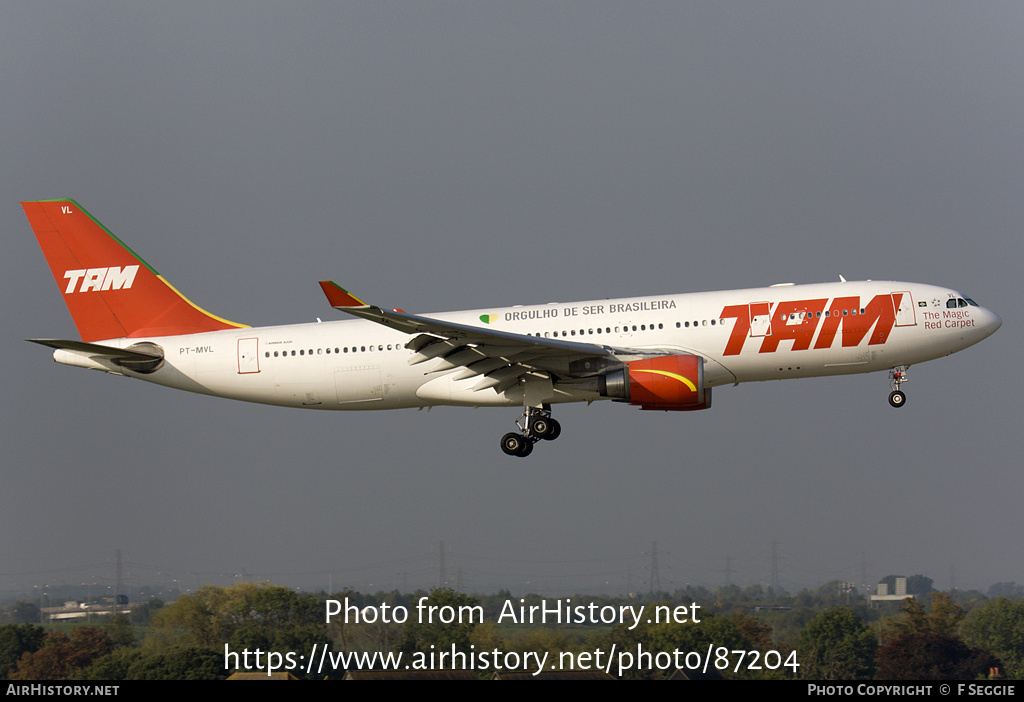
{"type": "Point", "coordinates": [448, 155]}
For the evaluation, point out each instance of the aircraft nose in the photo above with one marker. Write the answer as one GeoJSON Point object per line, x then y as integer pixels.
{"type": "Point", "coordinates": [997, 321]}
{"type": "Point", "coordinates": [991, 322]}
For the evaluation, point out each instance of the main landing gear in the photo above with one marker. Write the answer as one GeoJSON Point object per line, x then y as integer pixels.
{"type": "Point", "coordinates": [897, 376]}
{"type": "Point", "coordinates": [534, 424]}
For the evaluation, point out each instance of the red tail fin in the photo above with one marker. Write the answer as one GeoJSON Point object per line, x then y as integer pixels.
{"type": "Point", "coordinates": [110, 292]}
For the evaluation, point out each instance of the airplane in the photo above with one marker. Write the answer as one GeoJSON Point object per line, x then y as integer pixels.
{"type": "Point", "coordinates": [658, 352]}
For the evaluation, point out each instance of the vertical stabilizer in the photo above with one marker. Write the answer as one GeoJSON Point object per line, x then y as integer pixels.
{"type": "Point", "coordinates": [110, 291]}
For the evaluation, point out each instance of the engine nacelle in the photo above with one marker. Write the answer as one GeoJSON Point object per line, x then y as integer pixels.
{"type": "Point", "coordinates": [660, 383]}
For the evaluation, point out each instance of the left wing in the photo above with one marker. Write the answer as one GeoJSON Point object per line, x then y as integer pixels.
{"type": "Point", "coordinates": [500, 358]}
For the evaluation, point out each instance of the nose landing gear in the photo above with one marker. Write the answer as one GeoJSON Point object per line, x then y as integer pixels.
{"type": "Point", "coordinates": [534, 424]}
{"type": "Point", "coordinates": [897, 376]}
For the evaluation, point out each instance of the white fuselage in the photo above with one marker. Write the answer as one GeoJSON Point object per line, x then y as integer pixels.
{"type": "Point", "coordinates": [786, 331]}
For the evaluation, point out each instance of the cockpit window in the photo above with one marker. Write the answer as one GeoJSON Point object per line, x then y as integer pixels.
{"type": "Point", "coordinates": [972, 303]}
{"type": "Point", "coordinates": [951, 302]}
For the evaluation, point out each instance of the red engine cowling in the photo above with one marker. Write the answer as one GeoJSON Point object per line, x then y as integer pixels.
{"type": "Point", "coordinates": [661, 383]}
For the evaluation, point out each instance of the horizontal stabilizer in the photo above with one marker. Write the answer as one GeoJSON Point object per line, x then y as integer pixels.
{"type": "Point", "coordinates": [141, 358]}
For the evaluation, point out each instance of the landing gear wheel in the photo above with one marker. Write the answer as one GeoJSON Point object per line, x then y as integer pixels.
{"type": "Point", "coordinates": [540, 427]}
{"type": "Point", "coordinates": [545, 428]}
{"type": "Point", "coordinates": [512, 443]}
{"type": "Point", "coordinates": [897, 398]}
{"type": "Point", "coordinates": [537, 423]}
{"type": "Point", "coordinates": [516, 445]}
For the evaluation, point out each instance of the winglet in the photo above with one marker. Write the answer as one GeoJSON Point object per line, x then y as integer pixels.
{"type": "Point", "coordinates": [339, 297]}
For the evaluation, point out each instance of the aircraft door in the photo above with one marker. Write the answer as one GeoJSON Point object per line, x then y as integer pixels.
{"type": "Point", "coordinates": [903, 303]}
{"type": "Point", "coordinates": [760, 319]}
{"type": "Point", "coordinates": [248, 356]}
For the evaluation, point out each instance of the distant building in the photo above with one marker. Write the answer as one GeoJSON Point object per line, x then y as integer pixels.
{"type": "Point", "coordinates": [900, 594]}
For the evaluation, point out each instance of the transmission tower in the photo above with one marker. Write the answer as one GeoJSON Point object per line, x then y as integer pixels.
{"type": "Point", "coordinates": [655, 573]}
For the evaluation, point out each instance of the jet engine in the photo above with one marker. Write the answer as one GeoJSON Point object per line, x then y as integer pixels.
{"type": "Point", "coordinates": [673, 383]}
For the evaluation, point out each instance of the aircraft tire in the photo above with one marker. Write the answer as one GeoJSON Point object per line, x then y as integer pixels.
{"type": "Point", "coordinates": [540, 427]}
{"type": "Point", "coordinates": [897, 398]}
{"type": "Point", "coordinates": [516, 445]}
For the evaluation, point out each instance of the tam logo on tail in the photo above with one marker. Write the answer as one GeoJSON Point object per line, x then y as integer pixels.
{"type": "Point", "coordinates": [112, 278]}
